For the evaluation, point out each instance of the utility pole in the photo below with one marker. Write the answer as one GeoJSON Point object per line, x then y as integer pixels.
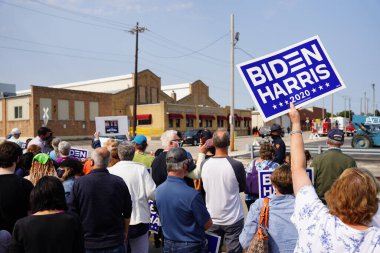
{"type": "Point", "coordinates": [345, 109]}
{"type": "Point", "coordinates": [323, 108]}
{"type": "Point", "coordinates": [373, 100]}
{"type": "Point", "coordinates": [234, 40]}
{"type": "Point", "coordinates": [332, 106]}
{"type": "Point", "coordinates": [349, 108]}
{"type": "Point", "coordinates": [136, 30]}
{"type": "Point", "coordinates": [361, 105]}
{"type": "Point", "coordinates": [365, 104]}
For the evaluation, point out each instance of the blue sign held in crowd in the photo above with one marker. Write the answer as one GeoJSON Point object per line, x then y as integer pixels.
{"type": "Point", "coordinates": [78, 153]}
{"type": "Point", "coordinates": [265, 185]}
{"type": "Point", "coordinates": [301, 73]}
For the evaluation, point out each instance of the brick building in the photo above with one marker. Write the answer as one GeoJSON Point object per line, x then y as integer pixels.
{"type": "Point", "coordinates": [72, 107]}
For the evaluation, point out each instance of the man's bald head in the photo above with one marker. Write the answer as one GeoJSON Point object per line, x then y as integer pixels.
{"type": "Point", "coordinates": [221, 138]}
{"type": "Point", "coordinates": [101, 157]}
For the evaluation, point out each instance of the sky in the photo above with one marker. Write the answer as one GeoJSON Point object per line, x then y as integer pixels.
{"type": "Point", "coordinates": [47, 42]}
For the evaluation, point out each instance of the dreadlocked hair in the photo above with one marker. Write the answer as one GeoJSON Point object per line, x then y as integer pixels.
{"type": "Point", "coordinates": [38, 170]}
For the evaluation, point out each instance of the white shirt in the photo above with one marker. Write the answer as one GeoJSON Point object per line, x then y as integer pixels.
{"type": "Point", "coordinates": [37, 141]}
{"type": "Point", "coordinates": [140, 185]}
{"type": "Point", "coordinates": [222, 180]}
{"type": "Point", "coordinates": [320, 231]}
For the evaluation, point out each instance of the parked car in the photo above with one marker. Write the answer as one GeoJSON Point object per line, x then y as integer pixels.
{"type": "Point", "coordinates": [192, 136]}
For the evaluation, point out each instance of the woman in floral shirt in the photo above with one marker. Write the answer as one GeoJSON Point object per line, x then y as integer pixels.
{"type": "Point", "coordinates": [343, 226]}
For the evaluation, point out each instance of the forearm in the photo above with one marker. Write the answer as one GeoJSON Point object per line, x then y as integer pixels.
{"type": "Point", "coordinates": [126, 227]}
{"type": "Point", "coordinates": [196, 173]}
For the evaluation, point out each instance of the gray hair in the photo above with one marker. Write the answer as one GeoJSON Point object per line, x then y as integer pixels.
{"type": "Point", "coordinates": [334, 142]}
{"type": "Point", "coordinates": [174, 167]}
{"type": "Point", "coordinates": [221, 138]}
{"type": "Point", "coordinates": [126, 151]}
{"type": "Point", "coordinates": [167, 137]}
{"type": "Point", "coordinates": [64, 148]}
{"type": "Point", "coordinates": [101, 157]}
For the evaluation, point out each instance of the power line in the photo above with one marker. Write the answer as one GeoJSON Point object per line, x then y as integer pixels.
{"type": "Point", "coordinates": [245, 52]}
{"type": "Point", "coordinates": [62, 47]}
{"type": "Point", "coordinates": [61, 17]}
{"type": "Point", "coordinates": [186, 48]}
{"type": "Point", "coordinates": [194, 52]}
{"type": "Point", "coordinates": [66, 55]}
{"type": "Point", "coordinates": [100, 19]}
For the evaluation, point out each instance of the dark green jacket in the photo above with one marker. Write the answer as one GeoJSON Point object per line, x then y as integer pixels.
{"type": "Point", "coordinates": [328, 167]}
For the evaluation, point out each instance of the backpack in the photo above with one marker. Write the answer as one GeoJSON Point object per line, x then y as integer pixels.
{"type": "Point", "coordinates": [252, 185]}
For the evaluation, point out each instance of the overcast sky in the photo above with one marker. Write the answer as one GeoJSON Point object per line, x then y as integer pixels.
{"type": "Point", "coordinates": [45, 42]}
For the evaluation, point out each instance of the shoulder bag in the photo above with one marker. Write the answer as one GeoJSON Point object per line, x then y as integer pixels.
{"type": "Point", "coordinates": [259, 242]}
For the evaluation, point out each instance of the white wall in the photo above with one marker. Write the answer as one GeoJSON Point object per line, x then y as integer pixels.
{"type": "Point", "coordinates": [13, 102]}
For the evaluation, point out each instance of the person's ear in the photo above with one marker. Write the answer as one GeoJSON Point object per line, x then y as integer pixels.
{"type": "Point", "coordinates": [92, 162]}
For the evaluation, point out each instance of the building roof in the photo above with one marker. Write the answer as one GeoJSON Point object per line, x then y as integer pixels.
{"type": "Point", "coordinates": [182, 90]}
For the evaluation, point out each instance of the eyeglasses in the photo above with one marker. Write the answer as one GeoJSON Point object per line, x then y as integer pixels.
{"type": "Point", "coordinates": [177, 140]}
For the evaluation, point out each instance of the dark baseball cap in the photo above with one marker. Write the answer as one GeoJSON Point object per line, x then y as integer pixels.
{"type": "Point", "coordinates": [336, 135]}
{"type": "Point", "coordinates": [177, 155]}
{"type": "Point", "coordinates": [275, 127]}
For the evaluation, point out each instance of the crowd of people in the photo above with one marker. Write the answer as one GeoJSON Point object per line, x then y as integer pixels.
{"type": "Point", "coordinates": [53, 202]}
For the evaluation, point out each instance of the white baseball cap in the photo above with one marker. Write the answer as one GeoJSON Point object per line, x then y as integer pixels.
{"type": "Point", "coordinates": [15, 131]}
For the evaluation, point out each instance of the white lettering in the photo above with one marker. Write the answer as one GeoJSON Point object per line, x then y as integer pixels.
{"type": "Point", "coordinates": [266, 70]}
{"type": "Point", "coordinates": [314, 75]}
{"type": "Point", "coordinates": [290, 84]}
{"type": "Point", "coordinates": [267, 191]}
{"type": "Point", "coordinates": [266, 179]}
{"type": "Point", "coordinates": [255, 73]}
{"type": "Point", "coordinates": [304, 78]}
{"type": "Point", "coordinates": [278, 90]}
{"type": "Point", "coordinates": [279, 63]}
{"type": "Point", "coordinates": [307, 54]}
{"type": "Point", "coordinates": [322, 71]}
{"type": "Point", "coordinates": [265, 94]}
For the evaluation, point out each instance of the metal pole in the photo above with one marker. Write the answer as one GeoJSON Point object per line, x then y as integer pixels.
{"type": "Point", "coordinates": [349, 108]}
{"type": "Point", "coordinates": [332, 105]}
{"type": "Point", "coordinates": [232, 115]}
{"type": "Point", "coordinates": [365, 103]}
{"type": "Point", "coordinates": [323, 108]}
{"type": "Point", "coordinates": [345, 109]}
{"type": "Point", "coordinates": [373, 99]}
{"type": "Point", "coordinates": [136, 31]}
{"type": "Point", "coordinates": [361, 105]}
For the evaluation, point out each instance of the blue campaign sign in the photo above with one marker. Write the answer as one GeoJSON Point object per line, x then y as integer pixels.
{"type": "Point", "coordinates": [265, 185]}
{"type": "Point", "coordinates": [154, 224]}
{"type": "Point", "coordinates": [301, 73]}
{"type": "Point", "coordinates": [213, 241]}
{"type": "Point", "coordinates": [78, 153]}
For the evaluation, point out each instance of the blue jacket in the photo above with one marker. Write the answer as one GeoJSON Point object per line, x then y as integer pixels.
{"type": "Point", "coordinates": [282, 233]}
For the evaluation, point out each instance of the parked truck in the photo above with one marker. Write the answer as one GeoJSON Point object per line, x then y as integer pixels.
{"type": "Point", "coordinates": [367, 131]}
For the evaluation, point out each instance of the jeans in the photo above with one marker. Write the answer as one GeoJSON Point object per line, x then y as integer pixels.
{"type": "Point", "coordinates": [230, 235]}
{"type": "Point", "coordinates": [139, 244]}
{"type": "Point", "coordinates": [117, 249]}
{"type": "Point", "coordinates": [185, 247]}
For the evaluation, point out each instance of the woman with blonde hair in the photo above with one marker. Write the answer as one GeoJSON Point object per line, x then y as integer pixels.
{"type": "Point", "coordinates": [42, 165]}
{"type": "Point", "coordinates": [342, 226]}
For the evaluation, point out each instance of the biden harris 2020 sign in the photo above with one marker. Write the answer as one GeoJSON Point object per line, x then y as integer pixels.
{"type": "Point", "coordinates": [301, 73]}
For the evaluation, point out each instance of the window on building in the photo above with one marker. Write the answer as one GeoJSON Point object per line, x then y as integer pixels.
{"type": "Point", "coordinates": [45, 103]}
{"type": "Point", "coordinates": [18, 112]}
{"type": "Point", "coordinates": [154, 95]}
{"type": "Point", "coordinates": [63, 109]}
{"type": "Point", "coordinates": [142, 95]}
{"type": "Point", "coordinates": [220, 123]}
{"type": "Point", "coordinates": [189, 123]}
{"type": "Point", "coordinates": [200, 123]}
{"type": "Point", "coordinates": [144, 122]}
{"type": "Point", "coordinates": [170, 123]}
{"type": "Point", "coordinates": [208, 123]}
{"type": "Point", "coordinates": [237, 123]}
{"type": "Point", "coordinates": [79, 110]}
{"type": "Point", "coordinates": [94, 110]}
{"type": "Point", "coordinates": [177, 123]}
